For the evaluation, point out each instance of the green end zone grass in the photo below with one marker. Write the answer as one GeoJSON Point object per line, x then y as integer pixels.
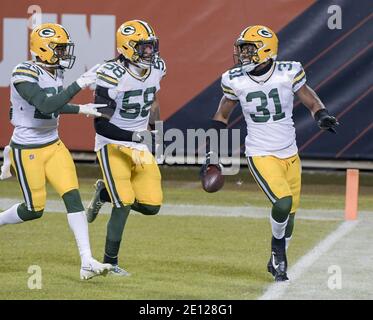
{"type": "Point", "coordinates": [169, 258]}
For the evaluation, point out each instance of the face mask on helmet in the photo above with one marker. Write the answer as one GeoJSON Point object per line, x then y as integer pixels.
{"type": "Point", "coordinates": [64, 54]}
{"type": "Point", "coordinates": [146, 51]}
{"type": "Point", "coordinates": [246, 54]}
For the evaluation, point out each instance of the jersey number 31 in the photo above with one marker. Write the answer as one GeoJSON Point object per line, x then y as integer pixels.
{"type": "Point", "coordinates": [265, 116]}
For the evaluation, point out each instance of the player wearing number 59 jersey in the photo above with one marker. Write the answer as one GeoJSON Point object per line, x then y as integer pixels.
{"type": "Point", "coordinates": [129, 86]}
{"type": "Point", "coordinates": [265, 89]}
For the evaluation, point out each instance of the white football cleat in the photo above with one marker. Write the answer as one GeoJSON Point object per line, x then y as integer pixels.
{"type": "Point", "coordinates": [92, 268]}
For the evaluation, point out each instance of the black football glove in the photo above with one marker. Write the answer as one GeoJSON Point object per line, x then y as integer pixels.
{"type": "Point", "coordinates": [325, 121]}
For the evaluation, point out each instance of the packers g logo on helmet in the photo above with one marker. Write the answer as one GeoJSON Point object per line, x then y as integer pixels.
{"type": "Point", "coordinates": [264, 45]}
{"type": "Point", "coordinates": [137, 42]}
{"type": "Point", "coordinates": [52, 45]}
{"type": "Point", "coordinates": [128, 30]}
{"type": "Point", "coordinates": [264, 33]}
{"type": "Point", "coordinates": [47, 32]}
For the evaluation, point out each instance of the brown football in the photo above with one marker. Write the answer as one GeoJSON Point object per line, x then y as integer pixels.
{"type": "Point", "coordinates": [213, 180]}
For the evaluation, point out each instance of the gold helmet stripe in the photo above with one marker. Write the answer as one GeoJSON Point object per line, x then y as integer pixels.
{"type": "Point", "coordinates": [244, 32]}
{"type": "Point", "coordinates": [67, 34]}
{"type": "Point", "coordinates": [148, 29]}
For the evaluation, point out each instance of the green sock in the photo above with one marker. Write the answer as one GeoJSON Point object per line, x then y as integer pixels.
{"type": "Point", "coordinates": [114, 234]}
{"type": "Point", "coordinates": [290, 225]}
{"type": "Point", "coordinates": [73, 202]}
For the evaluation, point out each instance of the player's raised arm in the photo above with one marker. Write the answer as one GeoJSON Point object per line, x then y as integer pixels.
{"type": "Point", "coordinates": [312, 101]}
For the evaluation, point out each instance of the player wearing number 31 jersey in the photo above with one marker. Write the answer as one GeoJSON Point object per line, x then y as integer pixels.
{"type": "Point", "coordinates": [128, 85]}
{"type": "Point", "coordinates": [265, 88]}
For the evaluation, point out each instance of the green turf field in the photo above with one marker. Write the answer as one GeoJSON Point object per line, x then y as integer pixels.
{"type": "Point", "coordinates": [170, 257]}
{"type": "Point", "coordinates": [182, 186]}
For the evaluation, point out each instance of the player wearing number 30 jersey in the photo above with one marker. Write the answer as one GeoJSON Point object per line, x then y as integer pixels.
{"type": "Point", "coordinates": [265, 88]}
{"type": "Point", "coordinates": [128, 85]}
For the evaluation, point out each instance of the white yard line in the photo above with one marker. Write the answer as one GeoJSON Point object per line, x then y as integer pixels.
{"type": "Point", "coordinates": [277, 290]}
{"type": "Point", "coordinates": [200, 210]}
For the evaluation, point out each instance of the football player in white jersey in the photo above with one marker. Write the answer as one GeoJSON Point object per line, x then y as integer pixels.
{"type": "Point", "coordinates": [265, 88]}
{"type": "Point", "coordinates": [36, 152]}
{"type": "Point", "coordinates": [128, 85]}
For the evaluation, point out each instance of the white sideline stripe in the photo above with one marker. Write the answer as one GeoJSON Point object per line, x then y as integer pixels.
{"type": "Point", "coordinates": [207, 210]}
{"type": "Point", "coordinates": [276, 290]}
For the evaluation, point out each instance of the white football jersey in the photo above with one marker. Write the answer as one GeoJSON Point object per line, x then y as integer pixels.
{"type": "Point", "coordinates": [267, 105]}
{"type": "Point", "coordinates": [31, 127]}
{"type": "Point", "coordinates": [133, 96]}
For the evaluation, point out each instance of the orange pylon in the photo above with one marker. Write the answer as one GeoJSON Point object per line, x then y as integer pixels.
{"type": "Point", "coordinates": [352, 194]}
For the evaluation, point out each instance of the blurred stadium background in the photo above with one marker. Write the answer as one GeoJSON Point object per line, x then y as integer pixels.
{"type": "Point", "coordinates": [196, 41]}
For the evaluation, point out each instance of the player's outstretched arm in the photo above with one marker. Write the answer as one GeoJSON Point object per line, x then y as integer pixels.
{"type": "Point", "coordinates": [37, 96]}
{"type": "Point", "coordinates": [89, 109]}
{"type": "Point", "coordinates": [311, 100]}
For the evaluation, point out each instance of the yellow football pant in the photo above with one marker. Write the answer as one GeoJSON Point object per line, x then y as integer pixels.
{"type": "Point", "coordinates": [130, 174]}
{"type": "Point", "coordinates": [277, 177]}
{"type": "Point", "coordinates": [35, 166]}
